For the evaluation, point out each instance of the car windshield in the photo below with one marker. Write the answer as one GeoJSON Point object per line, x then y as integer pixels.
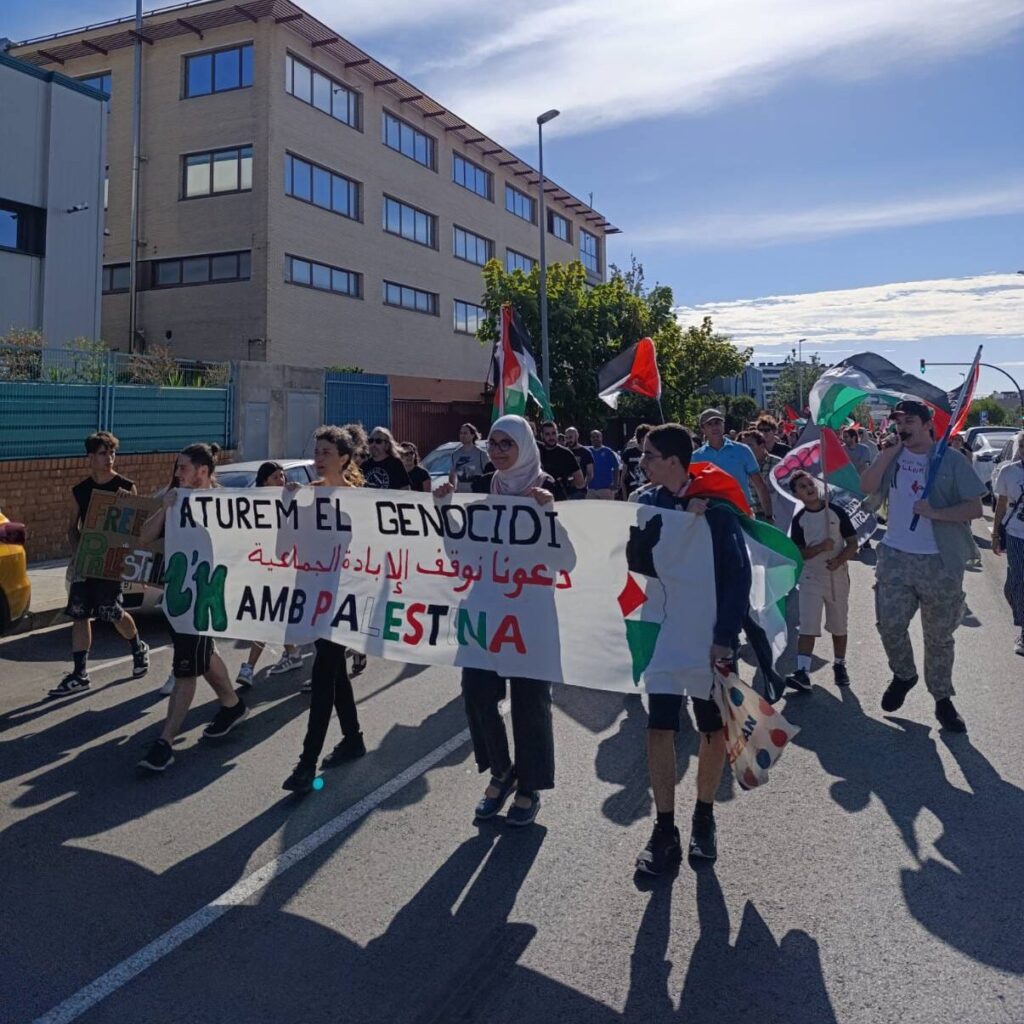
{"type": "Point", "coordinates": [438, 463]}
{"type": "Point", "coordinates": [993, 440]}
{"type": "Point", "coordinates": [236, 478]}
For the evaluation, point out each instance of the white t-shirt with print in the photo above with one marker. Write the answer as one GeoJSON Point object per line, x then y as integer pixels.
{"type": "Point", "coordinates": [906, 490]}
{"type": "Point", "coordinates": [1010, 484]}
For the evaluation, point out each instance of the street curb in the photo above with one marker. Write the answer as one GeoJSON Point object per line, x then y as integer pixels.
{"type": "Point", "coordinates": [32, 621]}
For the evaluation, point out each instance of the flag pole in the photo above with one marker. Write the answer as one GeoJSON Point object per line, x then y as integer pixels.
{"type": "Point", "coordinates": [661, 411]}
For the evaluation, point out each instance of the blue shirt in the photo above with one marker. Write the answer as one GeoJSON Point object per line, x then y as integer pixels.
{"type": "Point", "coordinates": [736, 459]}
{"type": "Point", "coordinates": [606, 462]}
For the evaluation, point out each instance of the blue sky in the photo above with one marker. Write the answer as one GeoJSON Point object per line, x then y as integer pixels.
{"type": "Point", "coordinates": [863, 159]}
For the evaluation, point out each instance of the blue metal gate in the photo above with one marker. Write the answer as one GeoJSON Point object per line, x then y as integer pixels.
{"type": "Point", "coordinates": [357, 398]}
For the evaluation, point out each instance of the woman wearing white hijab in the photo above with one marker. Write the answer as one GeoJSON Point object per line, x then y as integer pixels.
{"type": "Point", "coordinates": [516, 459]}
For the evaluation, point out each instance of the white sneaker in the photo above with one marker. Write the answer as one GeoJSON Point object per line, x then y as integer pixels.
{"type": "Point", "coordinates": [1018, 647]}
{"type": "Point", "coordinates": [244, 677]}
{"type": "Point", "coordinates": [168, 686]}
{"type": "Point", "coordinates": [288, 663]}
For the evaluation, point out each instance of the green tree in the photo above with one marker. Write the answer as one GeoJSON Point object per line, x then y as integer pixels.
{"type": "Point", "coordinates": [739, 410]}
{"type": "Point", "coordinates": [588, 325]}
{"type": "Point", "coordinates": [997, 415]}
{"type": "Point", "coordinates": [862, 414]}
{"type": "Point", "coordinates": [796, 379]}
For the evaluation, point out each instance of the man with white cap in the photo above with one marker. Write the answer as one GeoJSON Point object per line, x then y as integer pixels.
{"type": "Point", "coordinates": [735, 458]}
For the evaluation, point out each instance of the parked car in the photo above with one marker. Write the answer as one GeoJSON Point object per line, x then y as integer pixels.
{"type": "Point", "coordinates": [439, 462]}
{"type": "Point", "coordinates": [15, 588]}
{"type": "Point", "coordinates": [243, 474]}
{"type": "Point", "coordinates": [986, 443]}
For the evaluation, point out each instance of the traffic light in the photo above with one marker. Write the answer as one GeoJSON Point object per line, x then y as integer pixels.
{"type": "Point", "coordinates": [922, 365]}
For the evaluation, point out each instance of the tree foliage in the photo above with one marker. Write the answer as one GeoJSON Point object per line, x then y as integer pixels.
{"type": "Point", "coordinates": [589, 325]}
{"type": "Point", "coordinates": [997, 415]}
{"type": "Point", "coordinates": [796, 379]}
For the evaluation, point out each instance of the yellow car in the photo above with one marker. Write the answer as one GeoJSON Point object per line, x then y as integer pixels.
{"type": "Point", "coordinates": [15, 588]}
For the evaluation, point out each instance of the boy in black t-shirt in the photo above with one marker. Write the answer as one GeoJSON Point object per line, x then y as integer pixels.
{"type": "Point", "coordinates": [90, 599]}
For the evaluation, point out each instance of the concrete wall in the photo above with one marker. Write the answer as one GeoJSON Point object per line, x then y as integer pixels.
{"type": "Point", "coordinates": [289, 399]}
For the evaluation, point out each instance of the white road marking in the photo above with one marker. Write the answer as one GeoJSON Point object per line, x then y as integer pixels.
{"type": "Point", "coordinates": [129, 968]}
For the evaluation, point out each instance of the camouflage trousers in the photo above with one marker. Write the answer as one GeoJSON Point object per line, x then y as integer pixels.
{"type": "Point", "coordinates": [903, 584]}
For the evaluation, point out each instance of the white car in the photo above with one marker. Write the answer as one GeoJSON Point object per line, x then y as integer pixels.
{"type": "Point", "coordinates": [439, 462]}
{"type": "Point", "coordinates": [985, 444]}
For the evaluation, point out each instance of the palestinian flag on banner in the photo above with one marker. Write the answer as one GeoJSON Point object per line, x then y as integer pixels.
{"type": "Point", "coordinates": [515, 370]}
{"type": "Point", "coordinates": [634, 369]}
{"type": "Point", "coordinates": [839, 389]}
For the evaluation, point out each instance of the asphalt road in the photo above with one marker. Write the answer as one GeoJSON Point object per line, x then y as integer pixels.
{"type": "Point", "coordinates": [877, 878]}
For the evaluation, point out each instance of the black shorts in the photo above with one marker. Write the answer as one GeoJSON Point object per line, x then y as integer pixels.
{"type": "Point", "coordinates": [95, 599]}
{"type": "Point", "coordinates": [192, 655]}
{"type": "Point", "coordinates": [664, 710]}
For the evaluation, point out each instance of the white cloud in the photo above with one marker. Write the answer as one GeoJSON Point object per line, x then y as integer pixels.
{"type": "Point", "coordinates": [775, 227]}
{"type": "Point", "coordinates": [985, 306]}
{"type": "Point", "coordinates": [603, 62]}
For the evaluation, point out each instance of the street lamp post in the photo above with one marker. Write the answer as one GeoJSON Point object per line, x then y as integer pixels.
{"type": "Point", "coordinates": [545, 354]}
{"type": "Point", "coordinates": [800, 373]}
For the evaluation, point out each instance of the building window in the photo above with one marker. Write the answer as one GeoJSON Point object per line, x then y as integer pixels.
{"type": "Point", "coordinates": [409, 141]}
{"type": "Point", "coordinates": [520, 204]}
{"type": "Point", "coordinates": [219, 71]}
{"type": "Point", "coordinates": [410, 298]}
{"type": "Point", "coordinates": [468, 317]}
{"type": "Point", "coordinates": [472, 176]}
{"type": "Point", "coordinates": [321, 91]}
{"type": "Point", "coordinates": [221, 170]}
{"type": "Point", "coordinates": [321, 187]}
{"type": "Point", "coordinates": [588, 252]}
{"type": "Point", "coordinates": [472, 248]}
{"type": "Point", "coordinates": [22, 228]}
{"type": "Point", "coordinates": [115, 278]}
{"type": "Point", "coordinates": [408, 222]}
{"type": "Point", "coordinates": [102, 81]}
{"type": "Point", "coordinates": [559, 226]}
{"type": "Point", "coordinates": [310, 274]}
{"type": "Point", "coordinates": [517, 261]}
{"type": "Point", "coordinates": [209, 269]}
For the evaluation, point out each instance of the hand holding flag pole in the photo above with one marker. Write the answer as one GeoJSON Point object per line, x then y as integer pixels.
{"type": "Point", "coordinates": [956, 421]}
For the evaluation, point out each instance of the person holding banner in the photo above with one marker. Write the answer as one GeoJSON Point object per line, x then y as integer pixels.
{"type": "Point", "coordinates": [194, 656]}
{"type": "Point", "coordinates": [334, 457]}
{"type": "Point", "coordinates": [517, 471]}
{"type": "Point", "coordinates": [922, 568]}
{"type": "Point", "coordinates": [90, 599]}
{"type": "Point", "coordinates": [667, 451]}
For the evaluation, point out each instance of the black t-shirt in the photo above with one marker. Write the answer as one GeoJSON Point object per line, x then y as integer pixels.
{"type": "Point", "coordinates": [389, 474]}
{"type": "Point", "coordinates": [82, 492]}
{"type": "Point", "coordinates": [418, 476]}
{"type": "Point", "coordinates": [585, 458]}
{"type": "Point", "coordinates": [560, 464]}
{"type": "Point", "coordinates": [633, 476]}
{"type": "Point", "coordinates": [780, 449]}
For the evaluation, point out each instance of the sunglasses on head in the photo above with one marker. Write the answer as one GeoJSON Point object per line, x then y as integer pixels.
{"type": "Point", "coordinates": [505, 445]}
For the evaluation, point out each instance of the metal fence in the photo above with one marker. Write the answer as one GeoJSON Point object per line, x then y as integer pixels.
{"type": "Point", "coordinates": [429, 424]}
{"type": "Point", "coordinates": [357, 398]}
{"type": "Point", "coordinates": [50, 399]}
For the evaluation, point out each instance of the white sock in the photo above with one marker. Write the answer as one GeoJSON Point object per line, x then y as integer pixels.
{"type": "Point", "coordinates": [838, 661]}
{"type": "Point", "coordinates": [803, 661]}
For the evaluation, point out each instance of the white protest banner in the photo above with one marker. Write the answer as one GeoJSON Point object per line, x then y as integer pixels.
{"type": "Point", "coordinates": [605, 595]}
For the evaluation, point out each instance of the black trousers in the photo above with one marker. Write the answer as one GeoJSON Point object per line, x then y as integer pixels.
{"type": "Point", "coordinates": [532, 731]}
{"type": "Point", "coordinates": [331, 689]}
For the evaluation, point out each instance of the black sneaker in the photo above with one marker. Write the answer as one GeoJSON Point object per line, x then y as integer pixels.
{"type": "Point", "coordinates": [225, 720]}
{"type": "Point", "coordinates": [71, 683]}
{"type": "Point", "coordinates": [300, 780]}
{"type": "Point", "coordinates": [948, 716]}
{"type": "Point", "coordinates": [896, 692]}
{"type": "Point", "coordinates": [348, 749]}
{"type": "Point", "coordinates": [663, 851]}
{"type": "Point", "coordinates": [703, 845]}
{"type": "Point", "coordinates": [358, 663]}
{"type": "Point", "coordinates": [841, 676]}
{"type": "Point", "coordinates": [800, 680]}
{"type": "Point", "coordinates": [159, 757]}
{"type": "Point", "coordinates": [140, 660]}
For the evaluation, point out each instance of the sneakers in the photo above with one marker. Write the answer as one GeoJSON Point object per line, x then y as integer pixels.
{"type": "Point", "coordinates": [244, 677]}
{"type": "Point", "coordinates": [799, 680]}
{"type": "Point", "coordinates": [71, 683]}
{"type": "Point", "coordinates": [287, 663]}
{"type": "Point", "coordinates": [703, 844]}
{"type": "Point", "coordinates": [524, 815]}
{"type": "Point", "coordinates": [896, 692]}
{"type": "Point", "coordinates": [306, 687]}
{"type": "Point", "coordinates": [159, 757]}
{"type": "Point", "coordinates": [168, 686]}
{"type": "Point", "coordinates": [358, 663]}
{"type": "Point", "coordinates": [663, 851]}
{"type": "Point", "coordinates": [841, 676]}
{"type": "Point", "coordinates": [348, 749]}
{"type": "Point", "coordinates": [300, 780]}
{"type": "Point", "coordinates": [1018, 646]}
{"type": "Point", "coordinates": [948, 716]}
{"type": "Point", "coordinates": [225, 720]}
{"type": "Point", "coordinates": [140, 660]}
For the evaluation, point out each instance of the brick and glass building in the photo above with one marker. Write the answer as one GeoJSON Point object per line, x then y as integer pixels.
{"type": "Point", "coordinates": [300, 202]}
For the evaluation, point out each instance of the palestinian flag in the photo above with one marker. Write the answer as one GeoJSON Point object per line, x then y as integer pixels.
{"type": "Point", "coordinates": [642, 600]}
{"type": "Point", "coordinates": [839, 389]}
{"type": "Point", "coordinates": [961, 398]}
{"type": "Point", "coordinates": [836, 466]}
{"type": "Point", "coordinates": [634, 369]}
{"type": "Point", "coordinates": [515, 370]}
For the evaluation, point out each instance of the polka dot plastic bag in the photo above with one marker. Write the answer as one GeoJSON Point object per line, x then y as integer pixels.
{"type": "Point", "coordinates": [755, 733]}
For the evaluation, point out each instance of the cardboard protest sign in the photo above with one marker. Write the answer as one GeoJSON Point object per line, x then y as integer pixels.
{"type": "Point", "coordinates": [600, 594]}
{"type": "Point", "coordinates": [110, 549]}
